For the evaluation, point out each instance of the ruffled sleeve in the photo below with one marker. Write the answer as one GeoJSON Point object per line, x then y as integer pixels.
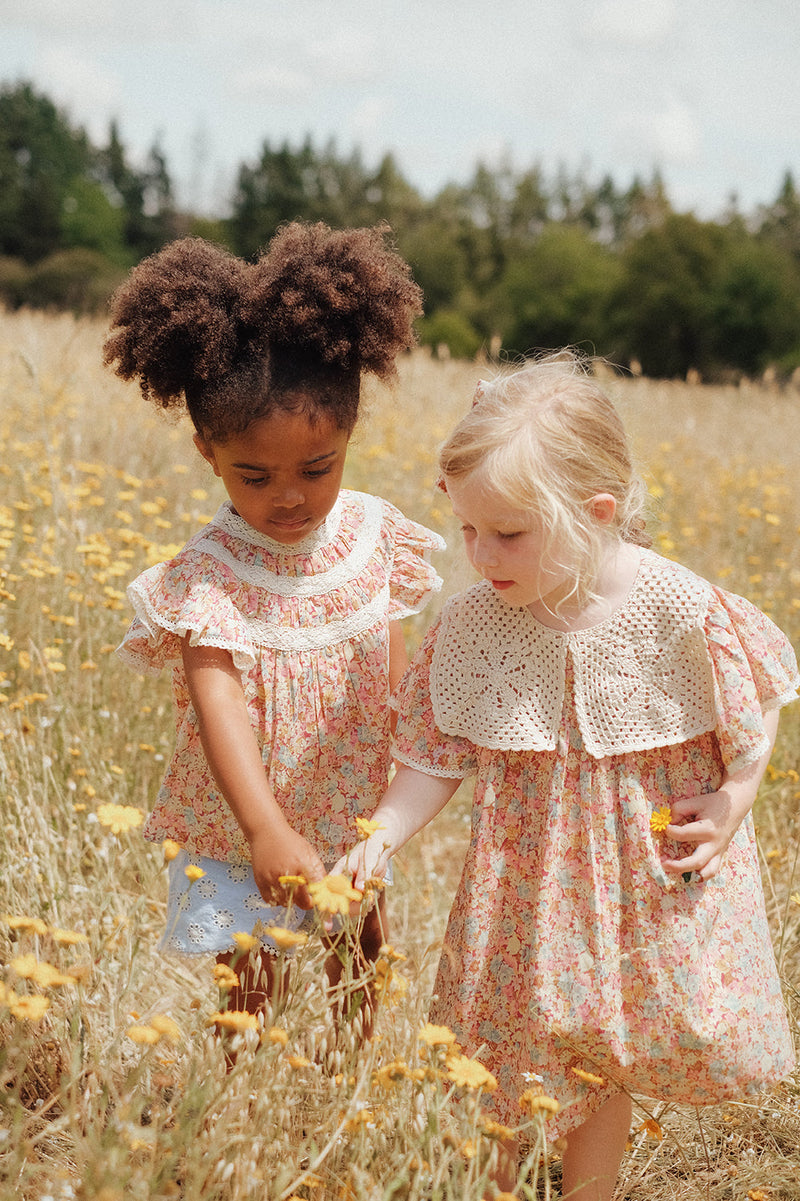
{"type": "Point", "coordinates": [413, 580]}
{"type": "Point", "coordinates": [184, 596]}
{"type": "Point", "coordinates": [418, 742]}
{"type": "Point", "coordinates": [755, 670]}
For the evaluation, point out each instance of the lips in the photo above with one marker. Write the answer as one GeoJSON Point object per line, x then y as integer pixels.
{"type": "Point", "coordinates": [501, 585]}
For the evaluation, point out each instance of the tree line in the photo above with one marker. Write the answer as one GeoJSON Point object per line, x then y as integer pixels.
{"type": "Point", "coordinates": [510, 260]}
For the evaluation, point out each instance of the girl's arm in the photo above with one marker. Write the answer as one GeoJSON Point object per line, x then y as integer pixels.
{"type": "Point", "coordinates": [410, 802]}
{"type": "Point", "coordinates": [234, 757]}
{"type": "Point", "coordinates": [713, 818]}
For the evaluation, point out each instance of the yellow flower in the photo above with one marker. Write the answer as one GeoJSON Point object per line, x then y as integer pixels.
{"type": "Point", "coordinates": [143, 1034]}
{"type": "Point", "coordinates": [166, 1026]}
{"type": "Point", "coordinates": [193, 873]}
{"type": "Point", "coordinates": [660, 819]}
{"type": "Point", "coordinates": [278, 1035]}
{"type": "Point", "coordinates": [41, 973]}
{"type": "Point", "coordinates": [291, 881]}
{"type": "Point", "coordinates": [286, 939]}
{"type": "Point", "coordinates": [390, 1073]}
{"type": "Point", "coordinates": [651, 1128]}
{"type": "Point", "coordinates": [171, 849]}
{"type": "Point", "coordinates": [435, 1036]}
{"type": "Point", "coordinates": [119, 818]}
{"type": "Point", "coordinates": [298, 1061]}
{"type": "Point", "coordinates": [588, 1077]}
{"type": "Point", "coordinates": [246, 942]}
{"type": "Point", "coordinates": [225, 976]}
{"type": "Point", "coordinates": [67, 938]}
{"type": "Point", "coordinates": [34, 924]}
{"type": "Point", "coordinates": [366, 827]}
{"type": "Point", "coordinates": [469, 1073]}
{"type": "Point", "coordinates": [31, 1009]}
{"type": "Point", "coordinates": [387, 951]}
{"type": "Point", "coordinates": [534, 1100]}
{"type": "Point", "coordinates": [334, 894]}
{"type": "Point", "coordinates": [234, 1019]}
{"type": "Point", "coordinates": [494, 1129]}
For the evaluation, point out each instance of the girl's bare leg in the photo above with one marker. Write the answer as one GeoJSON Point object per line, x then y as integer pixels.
{"type": "Point", "coordinates": [594, 1152]}
{"type": "Point", "coordinates": [372, 936]}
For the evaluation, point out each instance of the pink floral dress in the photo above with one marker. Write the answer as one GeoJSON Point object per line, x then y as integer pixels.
{"type": "Point", "coordinates": [568, 946]}
{"type": "Point", "coordinates": [307, 626]}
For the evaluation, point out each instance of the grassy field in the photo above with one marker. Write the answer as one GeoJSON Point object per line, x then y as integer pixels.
{"type": "Point", "coordinates": [113, 1081]}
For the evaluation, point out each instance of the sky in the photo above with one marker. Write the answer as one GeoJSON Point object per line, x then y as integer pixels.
{"type": "Point", "coordinates": [705, 91]}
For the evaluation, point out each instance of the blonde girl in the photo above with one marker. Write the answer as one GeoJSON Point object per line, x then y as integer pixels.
{"type": "Point", "coordinates": [279, 619]}
{"type": "Point", "coordinates": [608, 936]}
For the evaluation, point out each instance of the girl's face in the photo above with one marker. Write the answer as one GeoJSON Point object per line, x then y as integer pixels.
{"type": "Point", "coordinates": [507, 546]}
{"type": "Point", "coordinates": [282, 474]}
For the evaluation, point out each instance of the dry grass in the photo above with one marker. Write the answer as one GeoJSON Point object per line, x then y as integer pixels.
{"type": "Point", "coordinates": [93, 487]}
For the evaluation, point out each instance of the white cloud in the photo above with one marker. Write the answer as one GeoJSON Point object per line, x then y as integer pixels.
{"type": "Point", "coordinates": [636, 22]}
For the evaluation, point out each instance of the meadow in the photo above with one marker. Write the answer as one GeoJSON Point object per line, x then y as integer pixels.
{"type": "Point", "coordinates": [112, 1069]}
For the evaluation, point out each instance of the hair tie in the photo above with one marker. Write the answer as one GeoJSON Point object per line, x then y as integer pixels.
{"type": "Point", "coordinates": [480, 392]}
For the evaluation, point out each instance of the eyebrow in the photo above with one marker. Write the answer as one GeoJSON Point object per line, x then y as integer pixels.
{"type": "Point", "coordinates": [308, 463]}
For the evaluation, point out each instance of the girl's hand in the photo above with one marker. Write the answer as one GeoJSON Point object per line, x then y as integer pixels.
{"type": "Point", "coordinates": [707, 823]}
{"type": "Point", "coordinates": [366, 861]}
{"type": "Point", "coordinates": [284, 852]}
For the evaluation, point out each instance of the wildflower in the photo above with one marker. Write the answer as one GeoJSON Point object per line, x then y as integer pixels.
{"type": "Point", "coordinates": [389, 985]}
{"type": "Point", "coordinates": [363, 1117]}
{"type": "Point", "coordinates": [67, 938]}
{"type": "Point", "coordinates": [758, 1194]}
{"type": "Point", "coordinates": [434, 1036]}
{"type": "Point", "coordinates": [118, 818]}
{"type": "Point", "coordinates": [387, 1076]}
{"type": "Point", "coordinates": [494, 1129]}
{"type": "Point", "coordinates": [333, 894]}
{"type": "Point", "coordinates": [234, 1019]}
{"type": "Point", "coordinates": [469, 1073]}
{"type": "Point", "coordinates": [587, 1077]}
{"type": "Point", "coordinates": [651, 1128]}
{"type": "Point", "coordinates": [366, 827]}
{"type": "Point", "coordinates": [535, 1100]}
{"type": "Point", "coordinates": [31, 1009]}
{"type": "Point", "coordinates": [166, 1026]}
{"type": "Point", "coordinates": [193, 873]}
{"type": "Point", "coordinates": [298, 1061]}
{"type": "Point", "coordinates": [225, 976]}
{"type": "Point", "coordinates": [41, 973]}
{"type": "Point", "coordinates": [146, 1035]}
{"type": "Point", "coordinates": [660, 819]}
{"type": "Point", "coordinates": [387, 951]}
{"type": "Point", "coordinates": [292, 881]}
{"type": "Point", "coordinates": [34, 924]}
{"type": "Point", "coordinates": [286, 939]}
{"type": "Point", "coordinates": [277, 1035]}
{"type": "Point", "coordinates": [171, 849]}
{"type": "Point", "coordinates": [246, 942]}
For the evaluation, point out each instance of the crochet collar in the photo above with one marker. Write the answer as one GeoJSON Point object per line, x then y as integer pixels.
{"type": "Point", "coordinates": [642, 678]}
{"type": "Point", "coordinates": [227, 518]}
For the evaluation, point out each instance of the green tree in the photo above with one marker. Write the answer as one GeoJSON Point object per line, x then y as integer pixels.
{"type": "Point", "coordinates": [41, 155]}
{"type": "Point", "coordinates": [555, 292]}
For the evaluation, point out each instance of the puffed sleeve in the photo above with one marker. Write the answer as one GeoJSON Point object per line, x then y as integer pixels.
{"type": "Point", "coordinates": [413, 580]}
{"type": "Point", "coordinates": [755, 670]}
{"type": "Point", "coordinates": [418, 742]}
{"type": "Point", "coordinates": [187, 595]}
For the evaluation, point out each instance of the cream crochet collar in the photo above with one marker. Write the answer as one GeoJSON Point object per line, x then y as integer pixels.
{"type": "Point", "coordinates": [642, 677]}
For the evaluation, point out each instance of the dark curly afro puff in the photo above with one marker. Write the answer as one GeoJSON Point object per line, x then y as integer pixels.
{"type": "Point", "coordinates": [235, 341]}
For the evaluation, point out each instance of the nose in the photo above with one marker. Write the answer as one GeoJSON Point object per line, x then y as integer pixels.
{"type": "Point", "coordinates": [290, 496]}
{"type": "Point", "coordinates": [483, 554]}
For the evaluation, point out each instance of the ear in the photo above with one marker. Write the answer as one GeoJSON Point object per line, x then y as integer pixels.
{"type": "Point", "coordinates": [603, 507]}
{"type": "Point", "coordinates": [207, 451]}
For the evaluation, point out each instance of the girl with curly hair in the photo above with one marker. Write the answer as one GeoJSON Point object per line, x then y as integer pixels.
{"type": "Point", "coordinates": [280, 619]}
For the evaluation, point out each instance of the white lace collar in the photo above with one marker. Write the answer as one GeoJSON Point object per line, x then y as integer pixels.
{"type": "Point", "coordinates": [226, 518]}
{"type": "Point", "coordinates": [642, 677]}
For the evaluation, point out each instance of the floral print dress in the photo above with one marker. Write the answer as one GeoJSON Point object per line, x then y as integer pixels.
{"type": "Point", "coordinates": [307, 625]}
{"type": "Point", "coordinates": [568, 946]}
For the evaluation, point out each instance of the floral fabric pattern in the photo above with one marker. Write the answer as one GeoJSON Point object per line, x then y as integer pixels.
{"type": "Point", "coordinates": [568, 946]}
{"type": "Point", "coordinates": [307, 626]}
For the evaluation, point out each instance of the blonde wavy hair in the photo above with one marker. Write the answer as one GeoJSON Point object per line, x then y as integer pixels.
{"type": "Point", "coordinates": [548, 439]}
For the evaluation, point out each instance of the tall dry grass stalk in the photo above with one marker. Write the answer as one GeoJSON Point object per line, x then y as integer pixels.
{"type": "Point", "coordinates": [113, 1081]}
